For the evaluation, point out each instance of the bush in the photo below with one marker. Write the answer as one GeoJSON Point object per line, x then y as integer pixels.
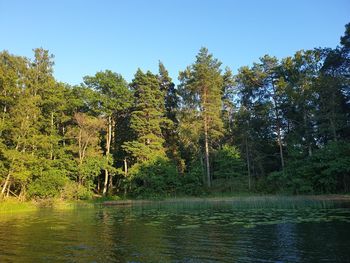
{"type": "Point", "coordinates": [75, 191]}
{"type": "Point", "coordinates": [49, 184]}
{"type": "Point", "coordinates": [192, 181]}
{"type": "Point", "coordinates": [326, 171]}
{"type": "Point", "coordinates": [154, 178]}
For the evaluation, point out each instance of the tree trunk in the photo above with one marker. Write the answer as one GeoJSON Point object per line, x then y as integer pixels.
{"type": "Point", "coordinates": [63, 137]}
{"type": "Point", "coordinates": [8, 190]}
{"type": "Point", "coordinates": [207, 163]}
{"type": "Point", "coordinates": [279, 139]}
{"type": "Point", "coordinates": [332, 119]}
{"type": "Point", "coordinates": [110, 184]}
{"type": "Point", "coordinates": [125, 167]}
{"type": "Point", "coordinates": [98, 184]}
{"type": "Point", "coordinates": [202, 167]}
{"type": "Point", "coordinates": [105, 184]}
{"type": "Point", "coordinates": [5, 185]}
{"type": "Point", "coordinates": [22, 193]}
{"type": "Point", "coordinates": [108, 148]}
{"type": "Point", "coordinates": [308, 136]}
{"type": "Point", "coordinates": [248, 162]}
{"type": "Point", "coordinates": [80, 154]}
{"type": "Point", "coordinates": [52, 129]}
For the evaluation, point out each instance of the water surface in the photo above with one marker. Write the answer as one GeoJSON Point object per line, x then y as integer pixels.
{"type": "Point", "coordinates": [231, 231]}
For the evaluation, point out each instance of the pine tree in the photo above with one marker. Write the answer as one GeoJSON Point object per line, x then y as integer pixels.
{"type": "Point", "coordinates": [147, 118]}
{"type": "Point", "coordinates": [171, 123]}
{"type": "Point", "coordinates": [201, 90]}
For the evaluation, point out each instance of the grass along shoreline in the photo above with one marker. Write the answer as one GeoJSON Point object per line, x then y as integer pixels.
{"type": "Point", "coordinates": [11, 205]}
{"type": "Point", "coordinates": [237, 198]}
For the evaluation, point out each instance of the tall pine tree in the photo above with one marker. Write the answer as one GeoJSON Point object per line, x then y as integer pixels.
{"type": "Point", "coordinates": [201, 91]}
{"type": "Point", "coordinates": [147, 118]}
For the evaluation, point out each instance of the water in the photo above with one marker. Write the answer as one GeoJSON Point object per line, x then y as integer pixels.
{"type": "Point", "coordinates": [283, 231]}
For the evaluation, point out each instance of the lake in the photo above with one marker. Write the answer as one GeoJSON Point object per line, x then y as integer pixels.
{"type": "Point", "coordinates": [253, 230]}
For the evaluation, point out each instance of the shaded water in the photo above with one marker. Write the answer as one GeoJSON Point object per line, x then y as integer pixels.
{"type": "Point", "coordinates": [273, 231]}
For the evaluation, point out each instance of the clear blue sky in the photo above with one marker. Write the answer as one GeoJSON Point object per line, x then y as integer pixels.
{"type": "Point", "coordinates": [87, 36]}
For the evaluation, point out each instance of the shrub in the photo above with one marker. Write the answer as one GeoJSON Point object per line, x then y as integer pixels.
{"type": "Point", "coordinates": [75, 191]}
{"type": "Point", "coordinates": [49, 184]}
{"type": "Point", "coordinates": [326, 171]}
{"type": "Point", "coordinates": [154, 178]}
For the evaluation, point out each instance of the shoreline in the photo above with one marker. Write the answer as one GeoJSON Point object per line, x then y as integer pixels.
{"type": "Point", "coordinates": [13, 206]}
{"type": "Point", "coordinates": [252, 198]}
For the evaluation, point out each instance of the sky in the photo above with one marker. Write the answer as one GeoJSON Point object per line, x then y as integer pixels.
{"type": "Point", "coordinates": [87, 36]}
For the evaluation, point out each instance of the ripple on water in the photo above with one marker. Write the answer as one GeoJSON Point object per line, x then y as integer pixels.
{"type": "Point", "coordinates": [179, 233]}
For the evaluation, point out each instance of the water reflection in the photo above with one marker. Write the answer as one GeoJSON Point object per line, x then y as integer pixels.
{"type": "Point", "coordinates": [180, 232]}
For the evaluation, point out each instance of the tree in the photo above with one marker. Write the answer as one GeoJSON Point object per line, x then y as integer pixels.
{"type": "Point", "coordinates": [147, 118]}
{"type": "Point", "coordinates": [201, 91]}
{"type": "Point", "coordinates": [113, 97]}
{"type": "Point", "coordinates": [87, 146]}
{"type": "Point", "coordinates": [253, 121]}
{"type": "Point", "coordinates": [171, 122]}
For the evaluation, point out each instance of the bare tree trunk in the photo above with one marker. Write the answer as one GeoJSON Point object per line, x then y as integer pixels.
{"type": "Point", "coordinates": [207, 163]}
{"type": "Point", "coordinates": [98, 184]}
{"type": "Point", "coordinates": [105, 184]}
{"type": "Point", "coordinates": [5, 185]}
{"type": "Point", "coordinates": [8, 190]}
{"type": "Point", "coordinates": [125, 167]}
{"type": "Point", "coordinates": [279, 139]}
{"type": "Point", "coordinates": [108, 148]}
{"type": "Point", "coordinates": [110, 183]}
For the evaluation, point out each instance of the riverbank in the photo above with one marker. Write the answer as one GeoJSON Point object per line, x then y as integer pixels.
{"type": "Point", "coordinates": [14, 206]}
{"type": "Point", "coordinates": [241, 198]}
{"type": "Point", "coordinates": [11, 205]}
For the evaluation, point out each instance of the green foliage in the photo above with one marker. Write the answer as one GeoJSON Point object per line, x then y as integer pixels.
{"type": "Point", "coordinates": [112, 91]}
{"type": "Point", "coordinates": [157, 177]}
{"type": "Point", "coordinates": [49, 184]}
{"type": "Point", "coordinates": [147, 118]}
{"type": "Point", "coordinates": [326, 171]}
{"type": "Point", "coordinates": [192, 181]}
{"type": "Point", "coordinates": [227, 163]}
{"type": "Point", "coordinates": [75, 191]}
{"type": "Point", "coordinates": [91, 168]}
{"type": "Point", "coordinates": [201, 96]}
{"type": "Point", "coordinates": [275, 126]}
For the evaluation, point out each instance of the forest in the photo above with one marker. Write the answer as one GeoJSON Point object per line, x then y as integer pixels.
{"type": "Point", "coordinates": [277, 126]}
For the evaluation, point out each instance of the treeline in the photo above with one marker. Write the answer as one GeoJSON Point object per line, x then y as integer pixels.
{"type": "Point", "coordinates": [277, 126]}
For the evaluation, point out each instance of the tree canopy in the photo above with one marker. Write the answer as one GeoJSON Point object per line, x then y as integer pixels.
{"type": "Point", "coordinates": [279, 125]}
